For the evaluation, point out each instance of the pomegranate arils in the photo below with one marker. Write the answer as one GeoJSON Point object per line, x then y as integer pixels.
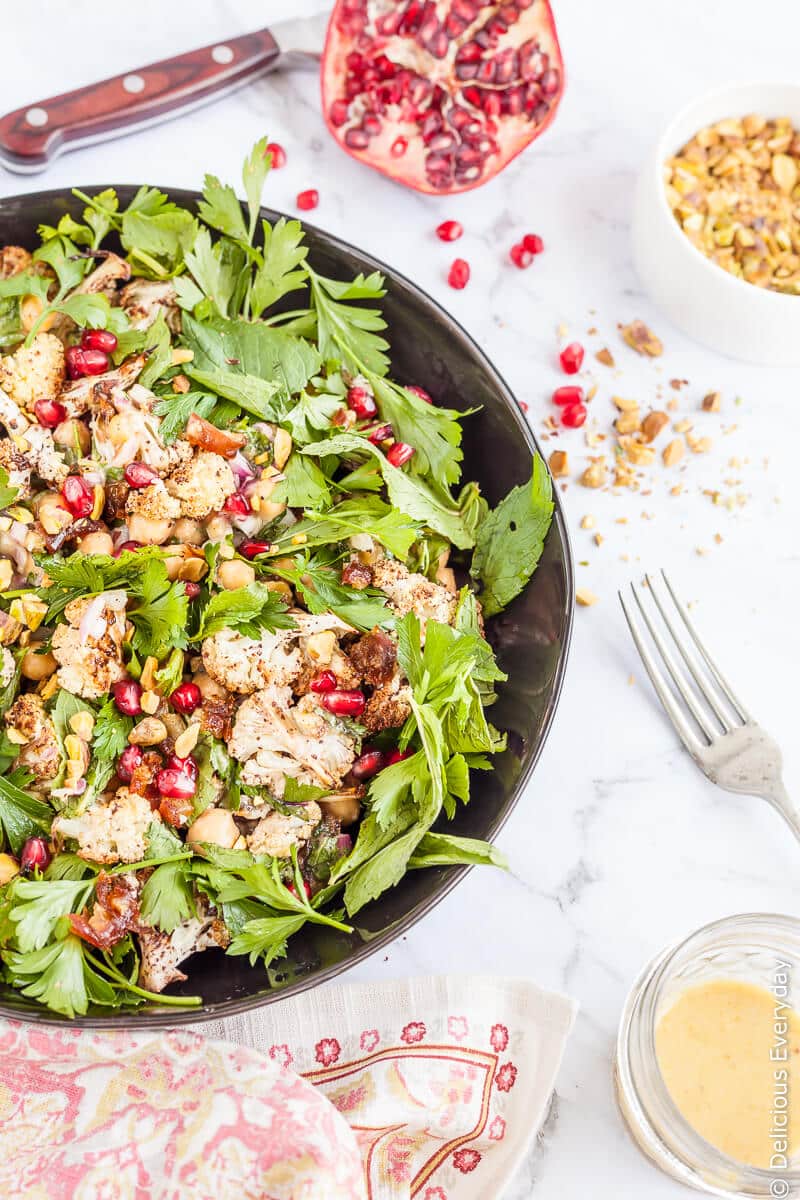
{"type": "Point", "coordinates": [399, 454]}
{"type": "Point", "coordinates": [324, 682]}
{"type": "Point", "coordinates": [381, 433]}
{"type": "Point", "coordinates": [128, 547]}
{"type": "Point", "coordinates": [128, 761]}
{"type": "Point", "coordinates": [252, 547]}
{"type": "Point", "coordinates": [520, 257]}
{"type": "Point", "coordinates": [188, 765]}
{"type": "Point", "coordinates": [99, 339]}
{"type": "Point", "coordinates": [49, 413]}
{"type": "Point", "coordinates": [191, 588]}
{"type": "Point", "coordinates": [278, 155]}
{"type": "Point", "coordinates": [396, 756]}
{"type": "Point", "coordinates": [237, 505]}
{"type": "Point", "coordinates": [440, 97]}
{"type": "Point", "coordinates": [306, 888]}
{"type": "Point", "coordinates": [533, 243]}
{"type": "Point", "coordinates": [368, 765]}
{"type": "Point", "coordinates": [175, 783]}
{"type": "Point", "coordinates": [128, 697]}
{"type": "Point", "coordinates": [345, 704]}
{"type": "Point", "coordinates": [82, 362]}
{"type": "Point", "coordinates": [362, 402]}
{"type": "Point", "coordinates": [186, 698]}
{"type": "Point", "coordinates": [573, 415]}
{"type": "Point", "coordinates": [78, 496]}
{"type": "Point", "coordinates": [418, 391]}
{"type": "Point", "coordinates": [571, 394]}
{"type": "Point", "coordinates": [449, 231]}
{"type": "Point", "coordinates": [458, 275]}
{"type": "Point", "coordinates": [308, 199]}
{"type": "Point", "coordinates": [140, 475]}
{"type": "Point", "coordinates": [35, 855]}
{"type": "Point", "coordinates": [572, 358]}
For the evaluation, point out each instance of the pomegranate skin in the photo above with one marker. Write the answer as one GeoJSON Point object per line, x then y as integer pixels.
{"type": "Point", "coordinates": [498, 83]}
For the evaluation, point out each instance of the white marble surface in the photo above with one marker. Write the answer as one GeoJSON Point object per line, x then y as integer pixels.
{"type": "Point", "coordinates": [619, 844]}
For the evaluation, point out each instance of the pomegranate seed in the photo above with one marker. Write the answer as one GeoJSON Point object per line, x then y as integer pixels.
{"type": "Point", "coordinates": [573, 415]}
{"type": "Point", "coordinates": [449, 231]}
{"type": "Point", "coordinates": [338, 112]}
{"type": "Point", "coordinates": [520, 257]}
{"type": "Point", "coordinates": [49, 413]}
{"type": "Point", "coordinates": [78, 496]}
{"type": "Point", "coordinates": [175, 783]}
{"type": "Point", "coordinates": [188, 765]}
{"type": "Point", "coordinates": [129, 546]}
{"type": "Point", "coordinates": [418, 391]}
{"type": "Point", "coordinates": [186, 698]}
{"type": "Point", "coordinates": [99, 339]}
{"type": "Point", "coordinates": [568, 395]}
{"type": "Point", "coordinates": [396, 756]}
{"type": "Point", "coordinates": [361, 402]}
{"type": "Point", "coordinates": [533, 243]}
{"type": "Point", "coordinates": [35, 853]}
{"type": "Point", "coordinates": [399, 147]}
{"type": "Point", "coordinates": [345, 704]}
{"type": "Point", "coordinates": [85, 362]}
{"type": "Point", "coordinates": [192, 589]}
{"type": "Point", "coordinates": [252, 547]}
{"type": "Point", "coordinates": [128, 761]}
{"type": "Point", "coordinates": [458, 275]}
{"type": "Point", "coordinates": [278, 155]}
{"type": "Point", "coordinates": [237, 505]}
{"type": "Point", "coordinates": [306, 888]}
{"type": "Point", "coordinates": [368, 764]}
{"type": "Point", "coordinates": [308, 200]}
{"type": "Point", "coordinates": [572, 358]}
{"type": "Point", "coordinates": [399, 454]}
{"type": "Point", "coordinates": [381, 433]}
{"type": "Point", "coordinates": [128, 697]}
{"type": "Point", "coordinates": [324, 682]}
{"type": "Point", "coordinates": [139, 475]}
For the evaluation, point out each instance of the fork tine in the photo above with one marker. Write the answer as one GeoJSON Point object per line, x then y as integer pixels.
{"type": "Point", "coordinates": [718, 678]}
{"type": "Point", "coordinates": [684, 731]}
{"type": "Point", "coordinates": [701, 717]}
{"type": "Point", "coordinates": [706, 690]}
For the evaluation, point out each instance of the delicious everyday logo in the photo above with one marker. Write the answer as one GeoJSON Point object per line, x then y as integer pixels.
{"type": "Point", "coordinates": [779, 1055]}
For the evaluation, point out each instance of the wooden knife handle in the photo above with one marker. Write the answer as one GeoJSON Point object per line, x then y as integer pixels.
{"type": "Point", "coordinates": [31, 136]}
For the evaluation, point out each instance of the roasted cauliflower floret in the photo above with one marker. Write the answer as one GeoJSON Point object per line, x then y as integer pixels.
{"type": "Point", "coordinates": [35, 371]}
{"type": "Point", "coordinates": [40, 752]}
{"type": "Point", "coordinates": [17, 467]}
{"type": "Point", "coordinates": [388, 706]}
{"type": "Point", "coordinates": [275, 834]}
{"type": "Point", "coordinates": [410, 592]}
{"type": "Point", "coordinates": [275, 738]}
{"type": "Point", "coordinates": [8, 667]}
{"type": "Point", "coordinates": [44, 456]}
{"type": "Point", "coordinates": [243, 664]}
{"type": "Point", "coordinates": [13, 261]}
{"type": "Point", "coordinates": [144, 299]}
{"type": "Point", "coordinates": [125, 428]}
{"type": "Point", "coordinates": [113, 832]}
{"type": "Point", "coordinates": [153, 502]}
{"type": "Point", "coordinates": [162, 953]}
{"type": "Point", "coordinates": [88, 648]}
{"type": "Point", "coordinates": [202, 485]}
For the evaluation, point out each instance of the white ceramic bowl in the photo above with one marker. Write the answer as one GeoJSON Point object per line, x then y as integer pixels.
{"type": "Point", "coordinates": [702, 299]}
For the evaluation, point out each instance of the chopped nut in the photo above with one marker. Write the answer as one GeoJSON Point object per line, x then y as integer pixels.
{"type": "Point", "coordinates": [628, 422]}
{"type": "Point", "coordinates": [82, 724]}
{"type": "Point", "coordinates": [595, 474]}
{"type": "Point", "coordinates": [682, 426]}
{"type": "Point", "coordinates": [181, 384]}
{"type": "Point", "coordinates": [605, 357]}
{"type": "Point", "coordinates": [150, 702]}
{"type": "Point", "coordinates": [673, 453]}
{"type": "Point", "coordinates": [642, 339]}
{"type": "Point", "coordinates": [598, 539]}
{"type": "Point", "coordinates": [652, 425]}
{"type": "Point", "coordinates": [698, 445]}
{"type": "Point", "coordinates": [588, 522]}
{"type": "Point", "coordinates": [181, 355]}
{"type": "Point", "coordinates": [625, 405]}
{"type": "Point", "coordinates": [712, 402]}
{"type": "Point", "coordinates": [585, 598]}
{"type": "Point", "coordinates": [149, 732]}
{"type": "Point", "coordinates": [186, 741]}
{"type": "Point", "coordinates": [148, 675]}
{"type": "Point", "coordinates": [558, 463]}
{"type": "Point", "coordinates": [637, 452]}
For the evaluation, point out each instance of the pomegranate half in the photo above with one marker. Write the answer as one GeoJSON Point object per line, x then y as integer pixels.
{"type": "Point", "coordinates": [440, 94]}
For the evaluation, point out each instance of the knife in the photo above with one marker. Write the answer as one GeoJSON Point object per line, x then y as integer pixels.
{"type": "Point", "coordinates": [31, 137]}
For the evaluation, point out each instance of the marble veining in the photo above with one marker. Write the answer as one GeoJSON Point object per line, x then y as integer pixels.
{"type": "Point", "coordinates": [619, 844]}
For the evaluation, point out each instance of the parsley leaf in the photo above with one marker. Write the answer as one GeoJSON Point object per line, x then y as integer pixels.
{"type": "Point", "coordinates": [221, 209]}
{"type": "Point", "coordinates": [175, 410]}
{"type": "Point", "coordinates": [266, 937]}
{"type": "Point", "coordinates": [254, 173]}
{"type": "Point", "coordinates": [434, 432]}
{"type": "Point", "coordinates": [282, 270]}
{"type": "Point", "coordinates": [21, 815]}
{"type": "Point", "coordinates": [245, 348]}
{"type": "Point", "coordinates": [251, 610]}
{"type": "Point", "coordinates": [157, 234]}
{"type": "Point", "coordinates": [446, 850]}
{"type": "Point", "coordinates": [348, 331]}
{"type": "Point", "coordinates": [303, 485]}
{"type": "Point", "coordinates": [160, 613]}
{"type": "Point", "coordinates": [110, 733]}
{"type": "Point", "coordinates": [54, 974]}
{"type": "Point", "coordinates": [360, 514]}
{"type": "Point", "coordinates": [218, 270]}
{"type": "Point", "coordinates": [510, 540]}
{"type": "Point", "coordinates": [39, 904]}
{"type": "Point", "coordinates": [166, 898]}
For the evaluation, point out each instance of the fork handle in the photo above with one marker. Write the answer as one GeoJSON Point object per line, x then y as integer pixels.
{"type": "Point", "coordinates": [778, 797]}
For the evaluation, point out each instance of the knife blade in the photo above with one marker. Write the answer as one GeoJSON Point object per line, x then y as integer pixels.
{"type": "Point", "coordinates": [32, 136]}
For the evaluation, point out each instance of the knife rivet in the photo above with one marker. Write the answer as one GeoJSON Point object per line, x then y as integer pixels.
{"type": "Point", "coordinates": [36, 117]}
{"type": "Point", "coordinates": [222, 54]}
{"type": "Point", "coordinates": [133, 83]}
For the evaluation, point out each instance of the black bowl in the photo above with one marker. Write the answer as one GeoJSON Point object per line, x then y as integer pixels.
{"type": "Point", "coordinates": [531, 637]}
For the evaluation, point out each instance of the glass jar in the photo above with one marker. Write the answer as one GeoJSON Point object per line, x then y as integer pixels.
{"type": "Point", "coordinates": [748, 948]}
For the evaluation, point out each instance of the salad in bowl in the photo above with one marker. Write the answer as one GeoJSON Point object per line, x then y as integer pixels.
{"type": "Point", "coordinates": [244, 678]}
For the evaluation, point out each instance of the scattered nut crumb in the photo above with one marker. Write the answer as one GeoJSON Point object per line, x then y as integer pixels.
{"type": "Point", "coordinates": [598, 539]}
{"type": "Point", "coordinates": [624, 405]}
{"type": "Point", "coordinates": [652, 425]}
{"type": "Point", "coordinates": [180, 384]}
{"type": "Point", "coordinates": [605, 357]}
{"type": "Point", "coordinates": [631, 680]}
{"type": "Point", "coordinates": [588, 522]}
{"type": "Point", "coordinates": [642, 339]}
{"type": "Point", "coordinates": [672, 405]}
{"type": "Point", "coordinates": [712, 402]}
{"type": "Point", "coordinates": [677, 384]}
{"type": "Point", "coordinates": [672, 454]}
{"type": "Point", "coordinates": [683, 426]}
{"type": "Point", "coordinates": [628, 422]}
{"type": "Point", "coordinates": [718, 538]}
{"type": "Point", "coordinates": [558, 463]}
{"type": "Point", "coordinates": [585, 598]}
{"type": "Point", "coordinates": [698, 445]}
{"type": "Point", "coordinates": [595, 474]}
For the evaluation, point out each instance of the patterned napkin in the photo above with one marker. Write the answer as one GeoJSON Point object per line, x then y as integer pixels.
{"type": "Point", "coordinates": [429, 1088]}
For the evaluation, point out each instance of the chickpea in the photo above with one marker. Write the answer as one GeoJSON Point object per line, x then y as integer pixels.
{"type": "Point", "coordinates": [73, 435]}
{"type": "Point", "coordinates": [149, 531]}
{"type": "Point", "coordinates": [215, 825]}
{"type": "Point", "coordinates": [117, 430]}
{"type": "Point", "coordinates": [235, 574]}
{"type": "Point", "coordinates": [346, 809]}
{"type": "Point", "coordinates": [173, 564]}
{"type": "Point", "coordinates": [218, 528]}
{"type": "Point", "coordinates": [38, 666]}
{"type": "Point", "coordinates": [98, 542]}
{"type": "Point", "coordinates": [209, 688]}
{"type": "Point", "coordinates": [190, 532]}
{"type": "Point", "coordinates": [53, 513]}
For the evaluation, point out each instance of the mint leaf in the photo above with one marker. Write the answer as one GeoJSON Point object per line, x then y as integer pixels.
{"type": "Point", "coordinates": [239, 347]}
{"type": "Point", "coordinates": [510, 540]}
{"type": "Point", "coordinates": [21, 815]}
{"type": "Point", "coordinates": [434, 432]}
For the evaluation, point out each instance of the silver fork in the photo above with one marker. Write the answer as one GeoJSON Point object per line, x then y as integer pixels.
{"type": "Point", "coordinates": [714, 726]}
